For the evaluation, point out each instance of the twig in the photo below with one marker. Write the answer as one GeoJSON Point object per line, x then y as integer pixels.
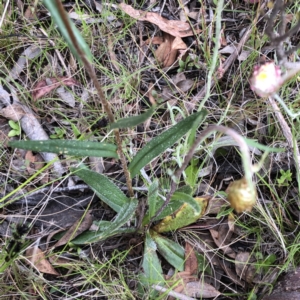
{"type": "Point", "coordinates": [171, 293]}
{"type": "Point", "coordinates": [91, 71]}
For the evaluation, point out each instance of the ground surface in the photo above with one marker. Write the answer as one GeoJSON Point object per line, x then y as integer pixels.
{"type": "Point", "coordinates": [183, 57]}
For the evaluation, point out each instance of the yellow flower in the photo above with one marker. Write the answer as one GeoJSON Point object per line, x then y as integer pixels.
{"type": "Point", "coordinates": [266, 79]}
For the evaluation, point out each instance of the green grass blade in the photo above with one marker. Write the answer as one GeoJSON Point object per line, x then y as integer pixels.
{"type": "Point", "coordinates": [76, 148]}
{"type": "Point", "coordinates": [106, 190]}
{"type": "Point", "coordinates": [58, 19]}
{"type": "Point", "coordinates": [257, 145]}
{"type": "Point", "coordinates": [133, 121]}
{"type": "Point", "coordinates": [162, 142]}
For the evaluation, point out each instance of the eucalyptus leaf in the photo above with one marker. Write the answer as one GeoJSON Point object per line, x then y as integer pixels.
{"type": "Point", "coordinates": [60, 22]}
{"type": "Point", "coordinates": [105, 189]}
{"type": "Point", "coordinates": [162, 142]}
{"type": "Point", "coordinates": [170, 250]}
{"type": "Point", "coordinates": [76, 148]}
{"type": "Point", "coordinates": [133, 121]}
{"type": "Point", "coordinates": [124, 215]}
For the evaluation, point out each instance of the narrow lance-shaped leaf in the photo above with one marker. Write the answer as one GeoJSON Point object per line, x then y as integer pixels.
{"type": "Point", "coordinates": [59, 20]}
{"type": "Point", "coordinates": [185, 198]}
{"type": "Point", "coordinates": [106, 190]}
{"type": "Point", "coordinates": [170, 250]}
{"type": "Point", "coordinates": [76, 148]}
{"type": "Point", "coordinates": [152, 198]}
{"type": "Point", "coordinates": [151, 264]}
{"type": "Point", "coordinates": [162, 142]}
{"type": "Point", "coordinates": [133, 121]}
{"type": "Point", "coordinates": [124, 215]}
{"type": "Point", "coordinates": [171, 208]}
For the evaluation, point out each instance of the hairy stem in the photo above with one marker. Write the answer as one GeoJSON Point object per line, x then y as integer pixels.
{"type": "Point", "coordinates": [91, 71]}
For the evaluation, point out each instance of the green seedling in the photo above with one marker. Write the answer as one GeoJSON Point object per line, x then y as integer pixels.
{"type": "Point", "coordinates": [16, 128]}
{"type": "Point", "coordinates": [192, 61]}
{"type": "Point", "coordinates": [59, 133]}
{"type": "Point", "coordinates": [285, 178]}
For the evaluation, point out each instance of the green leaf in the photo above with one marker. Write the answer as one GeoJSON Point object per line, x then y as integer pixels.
{"type": "Point", "coordinates": [186, 189]}
{"type": "Point", "coordinates": [170, 250]}
{"type": "Point", "coordinates": [60, 22]}
{"type": "Point", "coordinates": [151, 264]}
{"type": "Point", "coordinates": [182, 217]}
{"type": "Point", "coordinates": [185, 198]}
{"type": "Point", "coordinates": [106, 190]}
{"type": "Point", "coordinates": [133, 121]}
{"type": "Point", "coordinates": [76, 148]}
{"type": "Point", "coordinates": [191, 173]}
{"type": "Point", "coordinates": [88, 236]}
{"type": "Point", "coordinates": [13, 133]}
{"type": "Point", "coordinates": [125, 214]}
{"type": "Point", "coordinates": [152, 198]}
{"type": "Point", "coordinates": [171, 208]}
{"type": "Point", "coordinates": [162, 142]}
{"type": "Point", "coordinates": [14, 125]}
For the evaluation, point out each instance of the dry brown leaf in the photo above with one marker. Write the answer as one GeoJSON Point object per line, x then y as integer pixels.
{"type": "Point", "coordinates": [50, 236]}
{"type": "Point", "coordinates": [191, 262]}
{"type": "Point", "coordinates": [221, 238]}
{"type": "Point", "coordinates": [156, 40]}
{"type": "Point", "coordinates": [76, 229]}
{"type": "Point", "coordinates": [42, 87]}
{"type": "Point", "coordinates": [230, 273]}
{"type": "Point", "coordinates": [175, 28]}
{"type": "Point", "coordinates": [35, 162]}
{"type": "Point", "coordinates": [200, 289]}
{"type": "Point", "coordinates": [215, 205]}
{"type": "Point", "coordinates": [13, 112]}
{"type": "Point", "coordinates": [180, 279]}
{"type": "Point", "coordinates": [30, 13]}
{"type": "Point", "coordinates": [167, 51]}
{"type": "Point", "coordinates": [245, 268]}
{"type": "Point", "coordinates": [38, 259]}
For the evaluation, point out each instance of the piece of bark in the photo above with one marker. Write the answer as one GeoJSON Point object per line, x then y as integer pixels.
{"type": "Point", "coordinates": [288, 287]}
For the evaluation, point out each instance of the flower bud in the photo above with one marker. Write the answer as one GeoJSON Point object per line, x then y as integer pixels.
{"type": "Point", "coordinates": [266, 79]}
{"type": "Point", "coordinates": [241, 197]}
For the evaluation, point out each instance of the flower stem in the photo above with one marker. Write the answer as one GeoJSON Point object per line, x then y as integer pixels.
{"type": "Point", "coordinates": [91, 71]}
{"type": "Point", "coordinates": [245, 155]}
